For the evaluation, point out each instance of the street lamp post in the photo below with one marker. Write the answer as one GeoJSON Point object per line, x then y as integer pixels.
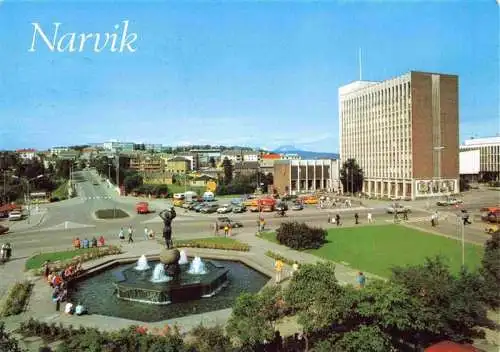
{"type": "Point", "coordinates": [28, 196]}
{"type": "Point", "coordinates": [461, 233]}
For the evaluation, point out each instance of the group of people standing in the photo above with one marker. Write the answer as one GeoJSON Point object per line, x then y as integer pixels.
{"type": "Point", "coordinates": [337, 219]}
{"type": "Point", "coordinates": [59, 283]}
{"type": "Point", "coordinates": [85, 243]}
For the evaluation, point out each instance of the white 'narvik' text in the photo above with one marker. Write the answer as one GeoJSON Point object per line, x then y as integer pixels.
{"type": "Point", "coordinates": [118, 41]}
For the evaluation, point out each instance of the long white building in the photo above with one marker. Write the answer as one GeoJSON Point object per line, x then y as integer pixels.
{"type": "Point", "coordinates": [480, 159]}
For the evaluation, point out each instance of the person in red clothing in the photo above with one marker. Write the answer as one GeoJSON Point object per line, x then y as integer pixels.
{"type": "Point", "coordinates": [101, 241]}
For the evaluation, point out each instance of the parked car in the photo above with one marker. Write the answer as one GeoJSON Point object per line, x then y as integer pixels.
{"type": "Point", "coordinates": [188, 205]}
{"type": "Point", "coordinates": [397, 208]}
{"type": "Point", "coordinates": [239, 209]}
{"type": "Point", "coordinates": [209, 209]}
{"type": "Point", "coordinates": [16, 215]}
{"type": "Point", "coordinates": [3, 229]}
{"type": "Point", "coordinates": [223, 221]}
{"type": "Point", "coordinates": [492, 228]}
{"type": "Point", "coordinates": [142, 208]}
{"type": "Point", "coordinates": [224, 209]}
{"type": "Point", "coordinates": [297, 206]}
{"type": "Point", "coordinates": [449, 201]}
{"type": "Point", "coordinates": [197, 208]}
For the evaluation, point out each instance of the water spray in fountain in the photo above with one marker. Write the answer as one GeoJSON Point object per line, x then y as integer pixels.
{"type": "Point", "coordinates": [197, 267]}
{"type": "Point", "coordinates": [142, 263]}
{"type": "Point", "coordinates": [159, 274]}
{"type": "Point", "coordinates": [184, 259]}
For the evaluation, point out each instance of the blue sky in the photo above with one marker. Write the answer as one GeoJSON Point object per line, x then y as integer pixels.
{"type": "Point", "coordinates": [232, 72]}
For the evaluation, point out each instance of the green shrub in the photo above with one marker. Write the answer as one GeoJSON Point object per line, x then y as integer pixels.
{"type": "Point", "coordinates": [133, 338]}
{"type": "Point", "coordinates": [210, 339]}
{"type": "Point", "coordinates": [300, 236]}
{"type": "Point", "coordinates": [16, 298]}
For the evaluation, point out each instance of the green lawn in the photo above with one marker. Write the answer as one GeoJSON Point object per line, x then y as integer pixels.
{"type": "Point", "coordinates": [270, 236]}
{"type": "Point", "coordinates": [61, 192]}
{"type": "Point", "coordinates": [376, 249]}
{"type": "Point", "coordinates": [37, 261]}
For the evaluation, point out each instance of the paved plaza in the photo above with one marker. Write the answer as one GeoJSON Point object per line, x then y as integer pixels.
{"type": "Point", "coordinates": [52, 227]}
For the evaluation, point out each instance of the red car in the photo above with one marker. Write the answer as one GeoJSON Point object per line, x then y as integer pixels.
{"type": "Point", "coordinates": [3, 229]}
{"type": "Point", "coordinates": [142, 208]}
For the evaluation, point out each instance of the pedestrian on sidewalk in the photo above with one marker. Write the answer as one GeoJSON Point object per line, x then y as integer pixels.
{"type": "Point", "coordinates": [146, 233]}
{"type": "Point", "coordinates": [405, 214]}
{"type": "Point", "coordinates": [278, 266]}
{"type": "Point", "coordinates": [361, 280]}
{"type": "Point", "coordinates": [130, 233]}
{"type": "Point", "coordinates": [337, 219]}
{"type": "Point", "coordinates": [226, 230]}
{"type": "Point", "coordinates": [370, 218]}
{"type": "Point", "coordinates": [216, 228]}
{"type": "Point", "coordinates": [121, 234]}
{"type": "Point", "coordinates": [356, 218]}
{"type": "Point", "coordinates": [434, 220]}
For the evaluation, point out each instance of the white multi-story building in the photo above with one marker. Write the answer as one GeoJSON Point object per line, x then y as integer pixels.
{"type": "Point", "coordinates": [403, 133]}
{"type": "Point", "coordinates": [480, 158]}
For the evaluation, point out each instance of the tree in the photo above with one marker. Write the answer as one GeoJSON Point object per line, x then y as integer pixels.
{"type": "Point", "coordinates": [210, 339]}
{"type": "Point", "coordinates": [248, 323]}
{"type": "Point", "coordinates": [363, 339]}
{"type": "Point", "coordinates": [211, 162]}
{"type": "Point", "coordinates": [132, 181]}
{"type": "Point", "coordinates": [449, 306]}
{"type": "Point", "coordinates": [315, 293]}
{"type": "Point", "coordinates": [490, 270]}
{"type": "Point", "coordinates": [351, 176]}
{"type": "Point", "coordinates": [228, 170]}
{"type": "Point", "coordinates": [63, 168]}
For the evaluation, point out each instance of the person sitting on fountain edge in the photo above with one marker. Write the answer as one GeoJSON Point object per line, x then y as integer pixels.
{"type": "Point", "coordinates": [167, 217]}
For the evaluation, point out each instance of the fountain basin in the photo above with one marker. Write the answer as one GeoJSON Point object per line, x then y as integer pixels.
{"type": "Point", "coordinates": [136, 286]}
{"type": "Point", "coordinates": [96, 291]}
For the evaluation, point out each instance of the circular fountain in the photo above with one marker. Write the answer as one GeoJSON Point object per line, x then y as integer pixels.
{"type": "Point", "coordinates": [170, 282]}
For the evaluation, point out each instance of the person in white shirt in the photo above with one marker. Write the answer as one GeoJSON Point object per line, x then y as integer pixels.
{"type": "Point", "coordinates": [370, 219]}
{"type": "Point", "coordinates": [295, 268]}
{"type": "Point", "coordinates": [68, 309]}
{"type": "Point", "coordinates": [146, 233]}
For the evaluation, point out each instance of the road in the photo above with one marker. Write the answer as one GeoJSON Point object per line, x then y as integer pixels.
{"type": "Point", "coordinates": [68, 219]}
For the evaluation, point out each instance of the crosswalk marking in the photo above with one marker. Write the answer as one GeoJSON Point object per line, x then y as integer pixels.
{"type": "Point", "coordinates": [417, 219]}
{"type": "Point", "coordinates": [97, 197]}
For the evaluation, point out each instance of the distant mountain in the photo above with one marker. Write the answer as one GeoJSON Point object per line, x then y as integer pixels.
{"type": "Point", "coordinates": [304, 154]}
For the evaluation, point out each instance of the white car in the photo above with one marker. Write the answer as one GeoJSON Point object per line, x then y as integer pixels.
{"type": "Point", "coordinates": [15, 215]}
{"type": "Point", "coordinates": [224, 209]}
{"type": "Point", "coordinates": [398, 209]}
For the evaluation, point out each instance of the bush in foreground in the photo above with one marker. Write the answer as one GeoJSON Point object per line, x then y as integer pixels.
{"type": "Point", "coordinates": [15, 300]}
{"type": "Point", "coordinates": [300, 236]}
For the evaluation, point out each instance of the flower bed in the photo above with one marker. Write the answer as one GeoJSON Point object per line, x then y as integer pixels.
{"type": "Point", "coordinates": [16, 298]}
{"type": "Point", "coordinates": [92, 339]}
{"type": "Point", "coordinates": [35, 263]}
{"type": "Point", "coordinates": [278, 256]}
{"type": "Point", "coordinates": [214, 243]}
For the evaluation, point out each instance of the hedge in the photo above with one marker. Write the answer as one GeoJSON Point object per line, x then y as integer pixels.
{"type": "Point", "coordinates": [278, 256]}
{"type": "Point", "coordinates": [236, 246]}
{"type": "Point", "coordinates": [15, 299]}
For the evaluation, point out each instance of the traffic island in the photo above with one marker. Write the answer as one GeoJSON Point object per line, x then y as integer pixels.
{"type": "Point", "coordinates": [105, 214]}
